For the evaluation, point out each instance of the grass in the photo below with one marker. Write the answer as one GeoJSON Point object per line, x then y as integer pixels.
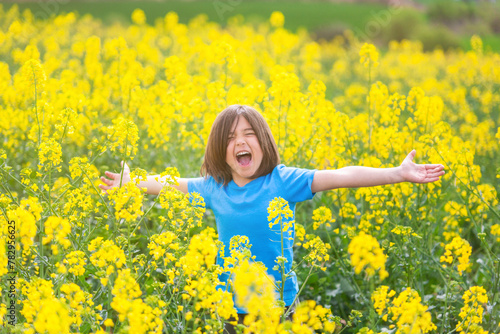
{"type": "Point", "coordinates": [309, 15]}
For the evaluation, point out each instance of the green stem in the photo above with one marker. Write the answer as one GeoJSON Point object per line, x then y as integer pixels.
{"type": "Point", "coordinates": [142, 218]}
{"type": "Point", "coordinates": [369, 107]}
{"type": "Point", "coordinates": [282, 288]}
{"type": "Point", "coordinates": [100, 196]}
{"type": "Point", "coordinates": [298, 293]}
{"type": "Point", "coordinates": [339, 260]}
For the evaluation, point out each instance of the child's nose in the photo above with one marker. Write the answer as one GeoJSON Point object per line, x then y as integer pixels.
{"type": "Point", "coordinates": [240, 141]}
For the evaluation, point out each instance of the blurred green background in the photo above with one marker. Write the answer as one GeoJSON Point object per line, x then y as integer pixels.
{"type": "Point", "coordinates": [438, 24]}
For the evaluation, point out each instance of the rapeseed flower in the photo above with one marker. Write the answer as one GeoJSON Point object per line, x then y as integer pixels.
{"type": "Point", "coordinates": [49, 155]}
{"type": "Point", "coordinates": [128, 201]}
{"type": "Point", "coordinates": [44, 313]}
{"type": "Point", "coordinates": [138, 16]}
{"type": "Point", "coordinates": [255, 291]}
{"type": "Point", "coordinates": [409, 314]}
{"type": "Point", "coordinates": [26, 229]}
{"type": "Point", "coordinates": [57, 229]}
{"type": "Point", "coordinates": [348, 210]}
{"type": "Point", "coordinates": [322, 215]}
{"type": "Point", "coordinates": [495, 230]}
{"type": "Point", "coordinates": [77, 299]}
{"type": "Point", "coordinates": [31, 77]}
{"type": "Point", "coordinates": [460, 250]}
{"type": "Point", "coordinates": [123, 136]}
{"type": "Point", "coordinates": [310, 317]}
{"type": "Point", "coordinates": [472, 311]}
{"type": "Point", "coordinates": [277, 19]}
{"type": "Point", "coordinates": [381, 298]}
{"type": "Point", "coordinates": [366, 255]}
{"type": "Point", "coordinates": [162, 245]}
{"type": "Point", "coordinates": [369, 55]}
{"type": "Point", "coordinates": [106, 255]}
{"type": "Point", "coordinates": [318, 250]}
{"type": "Point", "coordinates": [76, 261]}
{"type": "Point", "coordinates": [279, 213]}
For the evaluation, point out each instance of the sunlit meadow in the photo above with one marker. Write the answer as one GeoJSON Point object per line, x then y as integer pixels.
{"type": "Point", "coordinates": [78, 96]}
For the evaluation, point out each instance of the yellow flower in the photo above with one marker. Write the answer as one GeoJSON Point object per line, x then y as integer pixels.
{"type": "Point", "coordinates": [300, 234]}
{"type": "Point", "coordinates": [318, 249]}
{"type": "Point", "coordinates": [278, 213]}
{"type": "Point", "coordinates": [138, 16]}
{"type": "Point", "coordinates": [57, 229]}
{"type": "Point", "coordinates": [106, 254]}
{"type": "Point", "coordinates": [138, 175]}
{"type": "Point", "coordinates": [108, 323]}
{"type": "Point", "coordinates": [128, 201]}
{"type": "Point", "coordinates": [161, 244]}
{"type": "Point", "coordinates": [141, 318]}
{"type": "Point", "coordinates": [369, 55]}
{"type": "Point", "coordinates": [78, 166]}
{"type": "Point", "coordinates": [25, 224]}
{"type": "Point", "coordinates": [32, 77]}
{"type": "Point", "coordinates": [495, 230]}
{"type": "Point", "coordinates": [410, 315]}
{"type": "Point", "coordinates": [124, 136]}
{"type": "Point", "coordinates": [201, 253]}
{"type": "Point", "coordinates": [255, 291]}
{"type": "Point", "coordinates": [49, 154]}
{"type": "Point", "coordinates": [310, 317]}
{"type": "Point", "coordinates": [348, 210]}
{"type": "Point", "coordinates": [458, 249]}
{"type": "Point", "coordinates": [277, 19]}
{"type": "Point", "coordinates": [367, 256]}
{"type": "Point", "coordinates": [322, 215]}
{"type": "Point", "coordinates": [476, 44]}
{"type": "Point", "coordinates": [175, 68]}
{"type": "Point", "coordinates": [52, 317]}
{"type": "Point", "coordinates": [472, 311]}
{"type": "Point", "coordinates": [44, 313]}
{"type": "Point", "coordinates": [77, 300]}
{"type": "Point", "coordinates": [380, 298]}
{"type": "Point", "coordinates": [76, 261]}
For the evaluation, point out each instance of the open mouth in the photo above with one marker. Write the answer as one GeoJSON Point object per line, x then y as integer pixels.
{"type": "Point", "coordinates": [244, 158]}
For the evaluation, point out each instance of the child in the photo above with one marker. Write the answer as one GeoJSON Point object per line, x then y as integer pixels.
{"type": "Point", "coordinates": [242, 174]}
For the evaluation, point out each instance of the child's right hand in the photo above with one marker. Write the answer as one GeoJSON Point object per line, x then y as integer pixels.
{"type": "Point", "coordinates": [114, 179]}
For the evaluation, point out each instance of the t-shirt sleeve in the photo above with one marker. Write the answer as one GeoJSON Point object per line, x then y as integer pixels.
{"type": "Point", "coordinates": [296, 183]}
{"type": "Point", "coordinates": [200, 185]}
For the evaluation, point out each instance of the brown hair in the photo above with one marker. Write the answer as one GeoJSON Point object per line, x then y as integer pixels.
{"type": "Point", "coordinates": [214, 163]}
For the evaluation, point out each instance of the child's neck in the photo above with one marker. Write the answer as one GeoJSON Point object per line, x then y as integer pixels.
{"type": "Point", "coordinates": [241, 182]}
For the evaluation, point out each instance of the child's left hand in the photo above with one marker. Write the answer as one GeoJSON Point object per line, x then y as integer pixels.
{"type": "Point", "coordinates": [412, 172]}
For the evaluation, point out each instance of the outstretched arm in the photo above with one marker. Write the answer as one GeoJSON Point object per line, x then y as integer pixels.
{"type": "Point", "coordinates": [153, 185]}
{"type": "Point", "coordinates": [357, 176]}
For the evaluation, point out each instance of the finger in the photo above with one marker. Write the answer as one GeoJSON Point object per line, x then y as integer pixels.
{"type": "Point", "coordinates": [434, 166]}
{"type": "Point", "coordinates": [434, 175]}
{"type": "Point", "coordinates": [433, 179]}
{"type": "Point", "coordinates": [411, 155]}
{"type": "Point", "coordinates": [111, 175]}
{"type": "Point", "coordinates": [105, 180]}
{"type": "Point", "coordinates": [105, 188]}
{"type": "Point", "coordinates": [435, 170]}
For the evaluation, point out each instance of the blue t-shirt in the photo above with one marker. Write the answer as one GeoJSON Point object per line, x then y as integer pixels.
{"type": "Point", "coordinates": [243, 211]}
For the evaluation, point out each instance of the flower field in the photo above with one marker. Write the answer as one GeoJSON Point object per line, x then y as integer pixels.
{"type": "Point", "coordinates": [79, 96]}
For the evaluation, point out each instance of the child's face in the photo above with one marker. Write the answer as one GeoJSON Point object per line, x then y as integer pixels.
{"type": "Point", "coordinates": [244, 154]}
